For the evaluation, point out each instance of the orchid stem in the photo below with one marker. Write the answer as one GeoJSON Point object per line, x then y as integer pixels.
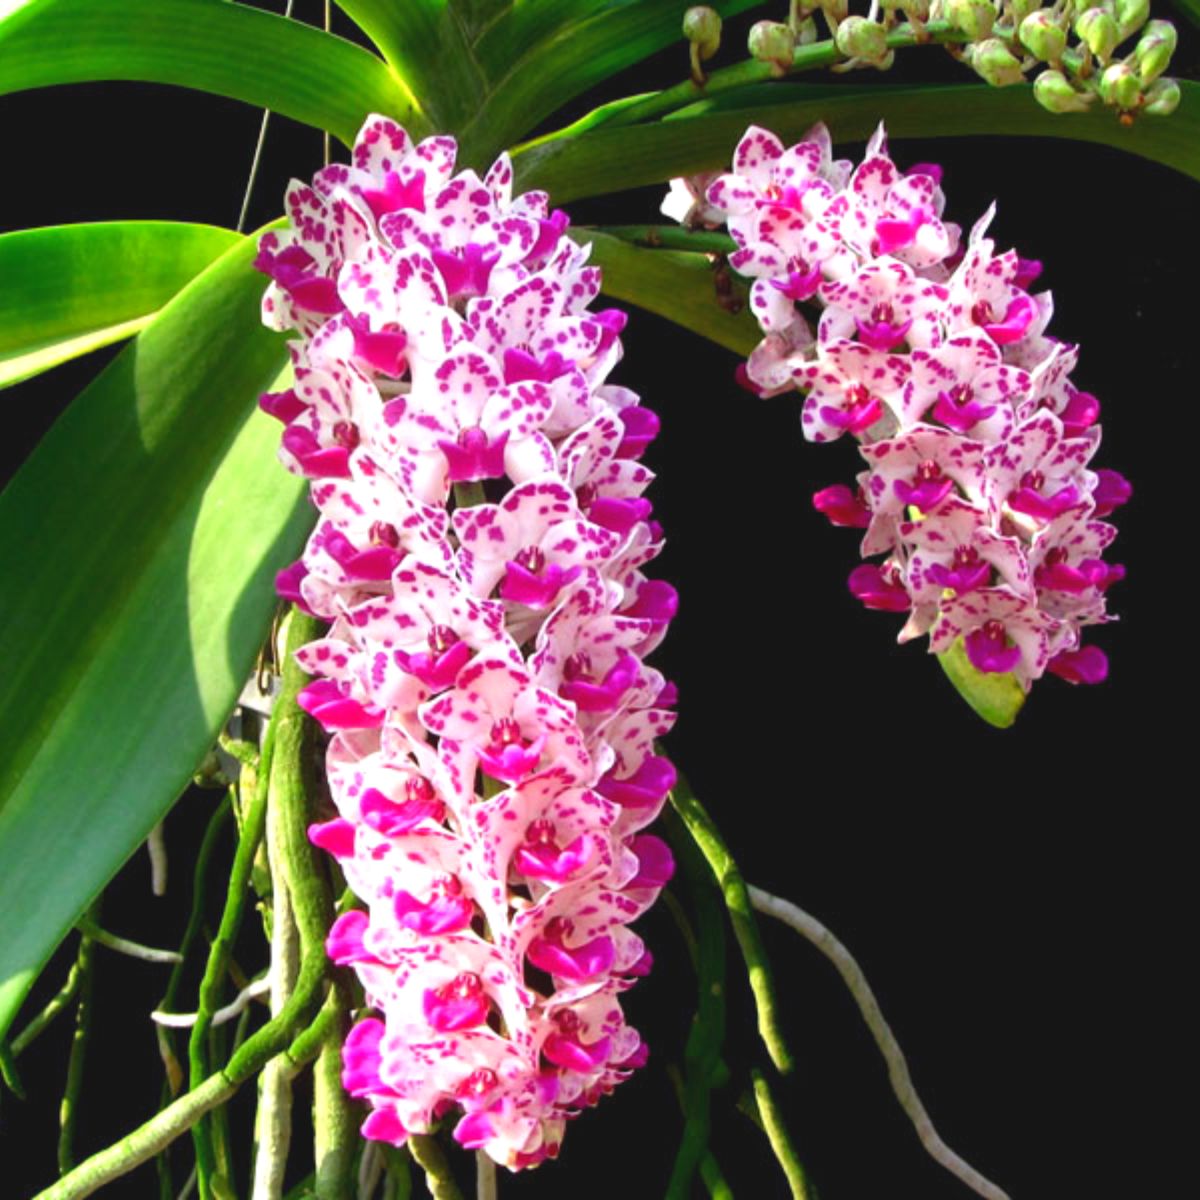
{"type": "Point", "coordinates": [733, 888]}
{"type": "Point", "coordinates": [69, 1109]}
{"type": "Point", "coordinates": [710, 1170]}
{"type": "Point", "coordinates": [273, 1120]}
{"type": "Point", "coordinates": [438, 1177]}
{"type": "Point", "coordinates": [166, 1047]}
{"type": "Point", "coordinates": [666, 237]}
{"type": "Point", "coordinates": [485, 1177]}
{"type": "Point", "coordinates": [236, 895]}
{"type": "Point", "coordinates": [335, 1121]}
{"type": "Point", "coordinates": [781, 1142]}
{"type": "Point", "coordinates": [805, 58]}
{"type": "Point", "coordinates": [702, 1053]}
{"type": "Point", "coordinates": [852, 975]}
{"type": "Point", "coordinates": [177, 1118]}
{"type": "Point", "coordinates": [399, 1172]}
{"type": "Point", "coordinates": [55, 1007]}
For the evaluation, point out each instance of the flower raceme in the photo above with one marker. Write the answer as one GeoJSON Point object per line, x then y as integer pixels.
{"type": "Point", "coordinates": [493, 720]}
{"type": "Point", "coordinates": [933, 356]}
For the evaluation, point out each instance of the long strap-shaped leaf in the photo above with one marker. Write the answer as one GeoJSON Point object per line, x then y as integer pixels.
{"type": "Point", "coordinates": [427, 44]}
{"type": "Point", "coordinates": [213, 45]}
{"type": "Point", "coordinates": [703, 137]}
{"type": "Point", "coordinates": [546, 52]}
{"type": "Point", "coordinates": [677, 284]}
{"type": "Point", "coordinates": [138, 545]}
{"type": "Point", "coordinates": [490, 70]}
{"type": "Point", "coordinates": [69, 289]}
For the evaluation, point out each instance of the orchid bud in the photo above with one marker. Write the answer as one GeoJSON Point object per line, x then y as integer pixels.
{"type": "Point", "coordinates": [702, 27]}
{"type": "Point", "coordinates": [1053, 91]}
{"type": "Point", "coordinates": [773, 43]}
{"type": "Point", "coordinates": [996, 64]}
{"type": "Point", "coordinates": [1098, 31]}
{"type": "Point", "coordinates": [1154, 49]}
{"type": "Point", "coordinates": [857, 37]}
{"type": "Point", "coordinates": [1131, 15]}
{"type": "Point", "coordinates": [974, 17]}
{"type": "Point", "coordinates": [1120, 86]}
{"type": "Point", "coordinates": [1162, 97]}
{"type": "Point", "coordinates": [1043, 36]}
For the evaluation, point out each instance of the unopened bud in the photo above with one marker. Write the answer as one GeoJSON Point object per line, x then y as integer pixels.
{"type": "Point", "coordinates": [1154, 50]}
{"type": "Point", "coordinates": [1120, 86]}
{"type": "Point", "coordinates": [1020, 9]}
{"type": "Point", "coordinates": [1098, 31]}
{"type": "Point", "coordinates": [996, 64]}
{"type": "Point", "coordinates": [1131, 15]}
{"type": "Point", "coordinates": [702, 27]}
{"type": "Point", "coordinates": [774, 43]}
{"type": "Point", "coordinates": [974, 17]}
{"type": "Point", "coordinates": [1162, 98]}
{"type": "Point", "coordinates": [1053, 91]}
{"type": "Point", "coordinates": [1043, 36]}
{"type": "Point", "coordinates": [858, 37]}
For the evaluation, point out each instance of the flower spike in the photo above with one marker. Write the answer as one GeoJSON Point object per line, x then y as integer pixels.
{"type": "Point", "coordinates": [483, 677]}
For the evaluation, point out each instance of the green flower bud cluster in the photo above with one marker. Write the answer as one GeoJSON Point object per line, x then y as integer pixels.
{"type": "Point", "coordinates": [1070, 49]}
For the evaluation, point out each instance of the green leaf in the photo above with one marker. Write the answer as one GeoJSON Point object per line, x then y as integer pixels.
{"type": "Point", "coordinates": [680, 285]}
{"type": "Point", "coordinates": [425, 43]}
{"type": "Point", "coordinates": [546, 52]}
{"type": "Point", "coordinates": [996, 698]}
{"type": "Point", "coordinates": [69, 289]}
{"type": "Point", "coordinates": [702, 137]}
{"type": "Point", "coordinates": [489, 70]}
{"type": "Point", "coordinates": [139, 543]}
{"type": "Point", "coordinates": [213, 45]}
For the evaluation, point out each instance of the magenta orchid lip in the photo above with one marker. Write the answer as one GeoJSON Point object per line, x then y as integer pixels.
{"type": "Point", "coordinates": [933, 356]}
{"type": "Point", "coordinates": [493, 721]}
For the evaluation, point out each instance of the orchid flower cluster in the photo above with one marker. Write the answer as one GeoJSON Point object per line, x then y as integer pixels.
{"type": "Point", "coordinates": [493, 723]}
{"type": "Point", "coordinates": [934, 357]}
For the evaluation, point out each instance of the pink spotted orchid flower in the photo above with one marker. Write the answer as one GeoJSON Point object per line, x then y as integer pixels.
{"type": "Point", "coordinates": [493, 756]}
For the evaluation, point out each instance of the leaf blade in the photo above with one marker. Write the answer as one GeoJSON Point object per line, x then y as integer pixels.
{"type": "Point", "coordinates": [546, 52]}
{"type": "Point", "coordinates": [428, 49]}
{"type": "Point", "coordinates": [676, 284]}
{"type": "Point", "coordinates": [702, 137]}
{"type": "Point", "coordinates": [129, 643]}
{"type": "Point", "coordinates": [69, 289]}
{"type": "Point", "coordinates": [229, 49]}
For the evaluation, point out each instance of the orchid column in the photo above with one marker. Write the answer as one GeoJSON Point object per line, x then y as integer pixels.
{"type": "Point", "coordinates": [492, 759]}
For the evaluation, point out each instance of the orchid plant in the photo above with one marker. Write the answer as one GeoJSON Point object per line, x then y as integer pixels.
{"type": "Point", "coordinates": [405, 638]}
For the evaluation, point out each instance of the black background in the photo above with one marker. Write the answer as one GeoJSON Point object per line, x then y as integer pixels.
{"type": "Point", "coordinates": [1017, 898]}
